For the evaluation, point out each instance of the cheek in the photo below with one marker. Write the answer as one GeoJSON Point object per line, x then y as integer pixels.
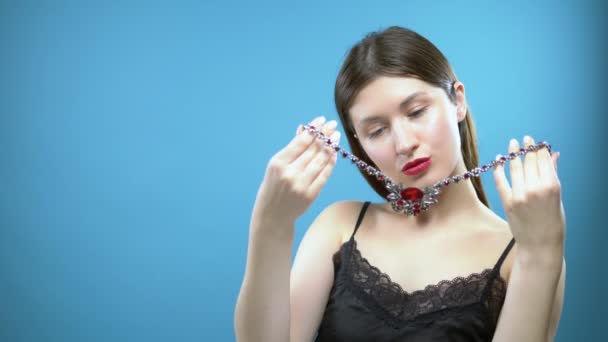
{"type": "Point", "coordinates": [447, 142]}
{"type": "Point", "coordinates": [380, 156]}
{"type": "Point", "coordinates": [443, 131]}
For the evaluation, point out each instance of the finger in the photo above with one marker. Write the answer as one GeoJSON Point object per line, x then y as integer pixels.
{"type": "Point", "coordinates": [555, 158]}
{"type": "Point", "coordinates": [320, 160]}
{"type": "Point", "coordinates": [298, 144]}
{"type": "Point", "coordinates": [531, 176]}
{"type": "Point", "coordinates": [305, 158]}
{"type": "Point", "coordinates": [502, 184]}
{"type": "Point", "coordinates": [319, 182]}
{"type": "Point", "coordinates": [546, 166]}
{"type": "Point", "coordinates": [517, 172]}
{"type": "Point", "coordinates": [329, 128]}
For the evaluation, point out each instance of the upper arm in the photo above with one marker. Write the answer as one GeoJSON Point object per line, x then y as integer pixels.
{"type": "Point", "coordinates": [312, 272]}
{"type": "Point", "coordinates": [552, 321]}
{"type": "Point", "coordinates": [558, 301]}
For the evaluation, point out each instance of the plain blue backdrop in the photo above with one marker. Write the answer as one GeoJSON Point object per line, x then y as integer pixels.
{"type": "Point", "coordinates": [134, 136]}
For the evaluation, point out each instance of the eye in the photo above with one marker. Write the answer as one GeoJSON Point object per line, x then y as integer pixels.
{"type": "Point", "coordinates": [376, 132]}
{"type": "Point", "coordinates": [417, 112]}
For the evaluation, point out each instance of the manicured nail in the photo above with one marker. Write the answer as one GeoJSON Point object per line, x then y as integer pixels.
{"type": "Point", "coordinates": [499, 161]}
{"type": "Point", "coordinates": [318, 121]}
{"type": "Point", "coordinates": [336, 138]}
{"type": "Point", "coordinates": [331, 124]}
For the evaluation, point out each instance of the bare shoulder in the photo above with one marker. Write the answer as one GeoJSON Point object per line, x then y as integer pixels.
{"type": "Point", "coordinates": [498, 235]}
{"type": "Point", "coordinates": [337, 219]}
{"type": "Point", "coordinates": [312, 273]}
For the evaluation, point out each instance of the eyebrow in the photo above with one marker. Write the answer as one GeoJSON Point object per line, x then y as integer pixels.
{"type": "Point", "coordinates": [402, 107]}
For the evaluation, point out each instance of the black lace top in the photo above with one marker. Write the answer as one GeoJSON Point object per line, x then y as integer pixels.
{"type": "Point", "coordinates": [365, 305]}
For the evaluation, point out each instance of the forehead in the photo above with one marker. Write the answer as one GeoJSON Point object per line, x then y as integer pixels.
{"type": "Point", "coordinates": [385, 94]}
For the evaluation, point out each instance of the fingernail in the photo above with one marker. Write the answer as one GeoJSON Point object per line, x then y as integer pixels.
{"type": "Point", "coordinates": [497, 159]}
{"type": "Point", "coordinates": [527, 139]}
{"type": "Point", "coordinates": [331, 124]}
{"type": "Point", "coordinates": [337, 137]}
{"type": "Point", "coordinates": [318, 121]}
{"type": "Point", "coordinates": [513, 142]}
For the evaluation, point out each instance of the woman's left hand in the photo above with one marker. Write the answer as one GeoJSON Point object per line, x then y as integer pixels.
{"type": "Point", "coordinates": [533, 203]}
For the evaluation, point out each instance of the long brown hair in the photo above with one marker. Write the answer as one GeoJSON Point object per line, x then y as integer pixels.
{"type": "Point", "coordinates": [398, 51]}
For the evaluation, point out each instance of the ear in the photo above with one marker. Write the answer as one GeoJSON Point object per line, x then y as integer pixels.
{"type": "Point", "coordinates": [461, 101]}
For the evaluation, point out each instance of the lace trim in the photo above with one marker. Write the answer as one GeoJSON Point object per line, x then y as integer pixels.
{"type": "Point", "coordinates": [397, 306]}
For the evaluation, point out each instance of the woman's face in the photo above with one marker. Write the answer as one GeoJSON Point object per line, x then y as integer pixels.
{"type": "Point", "coordinates": [400, 119]}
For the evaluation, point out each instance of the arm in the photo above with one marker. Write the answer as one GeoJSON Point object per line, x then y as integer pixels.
{"type": "Point", "coordinates": [278, 305]}
{"type": "Point", "coordinates": [536, 217]}
{"type": "Point", "coordinates": [312, 274]}
{"type": "Point", "coordinates": [558, 301]}
{"type": "Point", "coordinates": [262, 309]}
{"type": "Point", "coordinates": [533, 303]}
{"type": "Point", "coordinates": [294, 178]}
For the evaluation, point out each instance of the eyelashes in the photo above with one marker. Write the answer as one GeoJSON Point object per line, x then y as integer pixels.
{"type": "Point", "coordinates": [376, 133]}
{"type": "Point", "coordinates": [418, 112]}
{"type": "Point", "coordinates": [413, 114]}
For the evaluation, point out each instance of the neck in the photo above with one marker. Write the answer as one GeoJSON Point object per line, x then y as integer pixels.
{"type": "Point", "coordinates": [455, 201]}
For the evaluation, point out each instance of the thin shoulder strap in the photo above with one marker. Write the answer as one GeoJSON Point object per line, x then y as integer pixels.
{"type": "Point", "coordinates": [360, 219]}
{"type": "Point", "coordinates": [496, 271]}
{"type": "Point", "coordinates": [504, 254]}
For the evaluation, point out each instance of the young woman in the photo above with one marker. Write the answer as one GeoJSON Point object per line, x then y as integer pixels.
{"type": "Point", "coordinates": [366, 272]}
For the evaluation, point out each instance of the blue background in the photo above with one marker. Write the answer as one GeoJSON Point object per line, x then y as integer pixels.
{"type": "Point", "coordinates": [133, 138]}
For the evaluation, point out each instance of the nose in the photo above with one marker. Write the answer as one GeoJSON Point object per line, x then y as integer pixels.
{"type": "Point", "coordinates": [405, 140]}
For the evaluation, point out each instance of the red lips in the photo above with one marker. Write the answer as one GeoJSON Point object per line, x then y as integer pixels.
{"type": "Point", "coordinates": [416, 166]}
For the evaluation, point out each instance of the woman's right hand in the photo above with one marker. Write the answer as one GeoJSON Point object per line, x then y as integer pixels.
{"type": "Point", "coordinates": [296, 174]}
